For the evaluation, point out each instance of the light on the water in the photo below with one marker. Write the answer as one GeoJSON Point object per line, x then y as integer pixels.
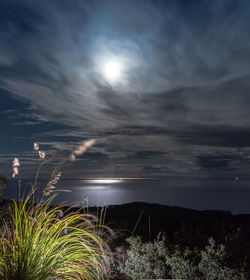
{"type": "Point", "coordinates": [104, 181]}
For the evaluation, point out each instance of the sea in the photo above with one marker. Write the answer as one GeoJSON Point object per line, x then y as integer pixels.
{"type": "Point", "coordinates": [232, 195]}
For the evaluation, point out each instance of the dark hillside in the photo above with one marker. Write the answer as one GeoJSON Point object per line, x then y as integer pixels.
{"type": "Point", "coordinates": [183, 226]}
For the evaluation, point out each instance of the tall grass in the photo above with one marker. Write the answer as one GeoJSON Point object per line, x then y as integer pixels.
{"type": "Point", "coordinates": [41, 243]}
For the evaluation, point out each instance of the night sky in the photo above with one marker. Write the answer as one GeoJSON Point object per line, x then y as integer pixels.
{"type": "Point", "coordinates": [177, 106]}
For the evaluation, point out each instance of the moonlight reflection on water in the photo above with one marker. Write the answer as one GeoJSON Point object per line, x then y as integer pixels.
{"type": "Point", "coordinates": [203, 194]}
{"type": "Point", "coordinates": [103, 181]}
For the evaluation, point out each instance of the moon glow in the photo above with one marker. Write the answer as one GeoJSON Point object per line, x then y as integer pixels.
{"type": "Point", "coordinates": [112, 70]}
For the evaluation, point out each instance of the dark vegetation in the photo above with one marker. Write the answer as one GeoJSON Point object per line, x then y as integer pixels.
{"type": "Point", "coordinates": [185, 242]}
{"type": "Point", "coordinates": [184, 227]}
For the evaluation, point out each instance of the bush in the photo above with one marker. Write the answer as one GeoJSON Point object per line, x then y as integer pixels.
{"type": "Point", "coordinates": [40, 243]}
{"type": "Point", "coordinates": [181, 265]}
{"type": "Point", "coordinates": [213, 264]}
{"type": "Point", "coordinates": [145, 260]}
{"type": "Point", "coordinates": [154, 260]}
{"type": "Point", "coordinates": [115, 264]}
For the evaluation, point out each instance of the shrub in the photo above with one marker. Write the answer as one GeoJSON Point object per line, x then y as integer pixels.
{"type": "Point", "coordinates": [181, 265]}
{"type": "Point", "coordinates": [115, 263]}
{"type": "Point", "coordinates": [154, 260]}
{"type": "Point", "coordinates": [39, 244]}
{"type": "Point", "coordinates": [213, 264]}
{"type": "Point", "coordinates": [145, 260]}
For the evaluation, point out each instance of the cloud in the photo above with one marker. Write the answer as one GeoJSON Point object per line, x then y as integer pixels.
{"type": "Point", "coordinates": [212, 161]}
{"type": "Point", "coordinates": [185, 89]}
{"type": "Point", "coordinates": [214, 136]}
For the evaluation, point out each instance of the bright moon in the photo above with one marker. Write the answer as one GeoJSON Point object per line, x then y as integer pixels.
{"type": "Point", "coordinates": [112, 70]}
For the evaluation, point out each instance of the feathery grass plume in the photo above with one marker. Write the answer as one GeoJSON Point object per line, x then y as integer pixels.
{"type": "Point", "coordinates": [15, 165]}
{"type": "Point", "coordinates": [41, 154]}
{"type": "Point", "coordinates": [43, 244]}
{"type": "Point", "coordinates": [36, 146]}
{"type": "Point", "coordinates": [81, 149]}
{"type": "Point", "coordinates": [50, 187]}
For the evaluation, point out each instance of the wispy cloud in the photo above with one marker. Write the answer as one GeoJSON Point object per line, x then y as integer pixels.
{"type": "Point", "coordinates": [186, 78]}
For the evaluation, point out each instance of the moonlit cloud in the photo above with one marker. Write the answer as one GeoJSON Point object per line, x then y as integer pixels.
{"type": "Point", "coordinates": [183, 96]}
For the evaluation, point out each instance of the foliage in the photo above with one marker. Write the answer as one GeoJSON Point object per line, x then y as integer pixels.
{"type": "Point", "coordinates": [115, 263]}
{"type": "Point", "coordinates": [181, 264]}
{"type": "Point", "coordinates": [41, 243]}
{"type": "Point", "coordinates": [145, 260]}
{"type": "Point", "coordinates": [154, 260]}
{"type": "Point", "coordinates": [213, 264]}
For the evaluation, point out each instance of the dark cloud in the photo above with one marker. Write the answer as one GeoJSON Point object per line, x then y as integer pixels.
{"type": "Point", "coordinates": [213, 161]}
{"type": "Point", "coordinates": [215, 136]}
